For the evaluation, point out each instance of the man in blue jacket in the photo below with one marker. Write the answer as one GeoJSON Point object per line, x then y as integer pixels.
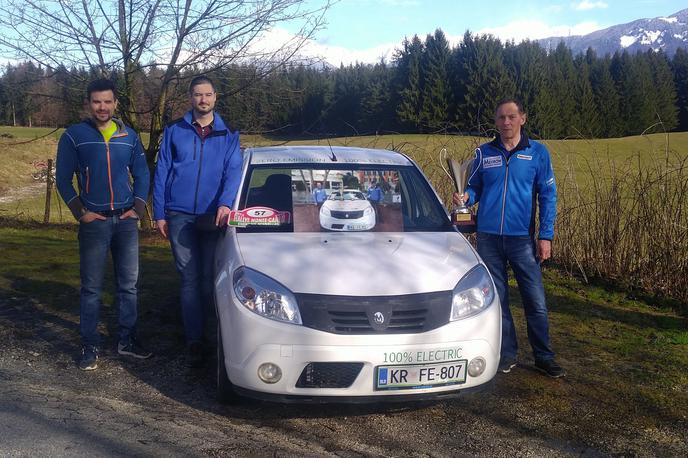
{"type": "Point", "coordinates": [196, 181]}
{"type": "Point", "coordinates": [510, 177]}
{"type": "Point", "coordinates": [104, 154]}
{"type": "Point", "coordinates": [319, 194]}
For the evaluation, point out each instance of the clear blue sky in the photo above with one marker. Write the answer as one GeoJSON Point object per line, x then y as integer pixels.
{"type": "Point", "coordinates": [366, 30]}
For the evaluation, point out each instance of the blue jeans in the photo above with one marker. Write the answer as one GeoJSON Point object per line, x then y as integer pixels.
{"type": "Point", "coordinates": [194, 253]}
{"type": "Point", "coordinates": [519, 252]}
{"type": "Point", "coordinates": [121, 238]}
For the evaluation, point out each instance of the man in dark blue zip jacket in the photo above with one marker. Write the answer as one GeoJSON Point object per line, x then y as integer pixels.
{"type": "Point", "coordinates": [511, 177]}
{"type": "Point", "coordinates": [105, 155]}
{"type": "Point", "coordinates": [196, 181]}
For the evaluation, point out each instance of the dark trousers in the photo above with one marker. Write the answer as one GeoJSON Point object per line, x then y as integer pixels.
{"type": "Point", "coordinates": [194, 252]}
{"type": "Point", "coordinates": [519, 252]}
{"type": "Point", "coordinates": [121, 238]}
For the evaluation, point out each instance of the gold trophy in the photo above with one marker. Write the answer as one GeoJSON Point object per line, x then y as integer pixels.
{"type": "Point", "coordinates": [462, 216]}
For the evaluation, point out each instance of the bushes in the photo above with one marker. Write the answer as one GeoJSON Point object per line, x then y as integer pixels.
{"type": "Point", "coordinates": [628, 223]}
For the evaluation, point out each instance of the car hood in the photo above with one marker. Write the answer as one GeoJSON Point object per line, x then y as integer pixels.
{"type": "Point", "coordinates": [360, 264]}
{"type": "Point", "coordinates": [346, 205]}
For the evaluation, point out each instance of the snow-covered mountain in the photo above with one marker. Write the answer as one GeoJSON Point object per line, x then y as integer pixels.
{"type": "Point", "coordinates": [665, 33]}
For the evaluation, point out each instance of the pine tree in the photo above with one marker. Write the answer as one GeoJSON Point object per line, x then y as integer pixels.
{"type": "Point", "coordinates": [436, 92]}
{"type": "Point", "coordinates": [484, 79]}
{"type": "Point", "coordinates": [606, 96]}
{"type": "Point", "coordinates": [664, 99]}
{"type": "Point", "coordinates": [679, 66]}
{"type": "Point", "coordinates": [527, 62]}
{"type": "Point", "coordinates": [586, 119]}
{"type": "Point", "coordinates": [409, 83]}
{"type": "Point", "coordinates": [633, 79]}
{"type": "Point", "coordinates": [377, 114]}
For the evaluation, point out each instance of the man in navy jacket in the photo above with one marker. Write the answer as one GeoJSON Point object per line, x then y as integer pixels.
{"type": "Point", "coordinates": [510, 177]}
{"type": "Point", "coordinates": [196, 181]}
{"type": "Point", "coordinates": [105, 154]}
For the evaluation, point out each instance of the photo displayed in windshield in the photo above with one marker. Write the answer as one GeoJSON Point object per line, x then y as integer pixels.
{"type": "Point", "coordinates": [356, 199]}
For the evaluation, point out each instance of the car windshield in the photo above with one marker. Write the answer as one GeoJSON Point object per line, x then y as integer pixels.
{"type": "Point", "coordinates": [309, 198]}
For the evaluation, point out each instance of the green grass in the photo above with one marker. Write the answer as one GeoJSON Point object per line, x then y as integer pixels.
{"type": "Point", "coordinates": [41, 264]}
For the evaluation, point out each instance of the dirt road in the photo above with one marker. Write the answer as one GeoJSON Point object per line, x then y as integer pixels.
{"type": "Point", "coordinates": [159, 408]}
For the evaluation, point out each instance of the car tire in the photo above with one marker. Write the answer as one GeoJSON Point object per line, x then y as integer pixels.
{"type": "Point", "coordinates": [225, 389]}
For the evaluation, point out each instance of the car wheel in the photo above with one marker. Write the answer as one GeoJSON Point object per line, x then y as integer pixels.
{"type": "Point", "coordinates": [225, 389]}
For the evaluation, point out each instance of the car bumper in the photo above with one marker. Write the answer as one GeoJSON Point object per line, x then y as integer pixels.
{"type": "Point", "coordinates": [293, 347]}
{"type": "Point", "coordinates": [350, 225]}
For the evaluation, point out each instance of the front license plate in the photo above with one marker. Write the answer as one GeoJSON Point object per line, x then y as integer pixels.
{"type": "Point", "coordinates": [356, 227]}
{"type": "Point", "coordinates": [420, 375]}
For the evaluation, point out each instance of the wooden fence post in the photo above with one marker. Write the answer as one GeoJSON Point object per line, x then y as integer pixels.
{"type": "Point", "coordinates": [48, 191]}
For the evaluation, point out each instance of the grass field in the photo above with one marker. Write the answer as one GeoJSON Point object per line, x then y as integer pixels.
{"type": "Point", "coordinates": [623, 214]}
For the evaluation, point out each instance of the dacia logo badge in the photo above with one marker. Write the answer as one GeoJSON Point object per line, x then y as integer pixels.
{"type": "Point", "coordinates": [378, 317]}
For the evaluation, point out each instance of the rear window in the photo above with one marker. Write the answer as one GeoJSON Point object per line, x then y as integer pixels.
{"type": "Point", "coordinates": [309, 198]}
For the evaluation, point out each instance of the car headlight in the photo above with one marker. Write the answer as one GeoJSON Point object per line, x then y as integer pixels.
{"type": "Point", "coordinates": [264, 296]}
{"type": "Point", "coordinates": [472, 294]}
{"type": "Point", "coordinates": [324, 211]}
{"type": "Point", "coordinates": [368, 211]}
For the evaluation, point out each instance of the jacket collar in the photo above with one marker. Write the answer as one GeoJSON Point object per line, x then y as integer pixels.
{"type": "Point", "coordinates": [522, 144]}
{"type": "Point", "coordinates": [121, 128]}
{"type": "Point", "coordinates": [218, 123]}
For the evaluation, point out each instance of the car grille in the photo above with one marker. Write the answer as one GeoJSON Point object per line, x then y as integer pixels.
{"type": "Point", "coordinates": [407, 314]}
{"type": "Point", "coordinates": [329, 375]}
{"type": "Point", "coordinates": [347, 215]}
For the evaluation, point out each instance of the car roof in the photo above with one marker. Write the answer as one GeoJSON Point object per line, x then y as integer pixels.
{"type": "Point", "coordinates": [314, 154]}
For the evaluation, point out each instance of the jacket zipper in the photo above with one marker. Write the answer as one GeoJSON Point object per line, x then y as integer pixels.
{"type": "Point", "coordinates": [200, 165]}
{"type": "Point", "coordinates": [112, 192]}
{"type": "Point", "coordinates": [506, 182]}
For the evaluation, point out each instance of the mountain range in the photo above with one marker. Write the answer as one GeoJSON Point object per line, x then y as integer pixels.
{"type": "Point", "coordinates": [660, 33]}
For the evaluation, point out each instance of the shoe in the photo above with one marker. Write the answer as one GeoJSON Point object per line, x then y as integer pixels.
{"type": "Point", "coordinates": [89, 358]}
{"type": "Point", "coordinates": [550, 367]}
{"type": "Point", "coordinates": [133, 348]}
{"type": "Point", "coordinates": [195, 356]}
{"type": "Point", "coordinates": [506, 364]}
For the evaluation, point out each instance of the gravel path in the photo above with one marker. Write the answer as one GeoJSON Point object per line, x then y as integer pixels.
{"type": "Point", "coordinates": [158, 407]}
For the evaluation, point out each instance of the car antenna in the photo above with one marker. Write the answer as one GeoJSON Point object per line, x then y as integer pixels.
{"type": "Point", "coordinates": [333, 157]}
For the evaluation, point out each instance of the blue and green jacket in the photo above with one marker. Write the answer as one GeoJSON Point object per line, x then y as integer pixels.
{"type": "Point", "coordinates": [510, 185]}
{"type": "Point", "coordinates": [196, 175]}
{"type": "Point", "coordinates": [110, 175]}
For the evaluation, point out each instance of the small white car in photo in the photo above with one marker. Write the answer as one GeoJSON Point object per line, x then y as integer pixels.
{"type": "Point", "coordinates": [348, 210]}
{"type": "Point", "coordinates": [403, 310]}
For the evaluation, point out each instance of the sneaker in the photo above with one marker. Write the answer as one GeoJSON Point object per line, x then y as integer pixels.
{"type": "Point", "coordinates": [89, 358]}
{"type": "Point", "coordinates": [550, 367]}
{"type": "Point", "coordinates": [506, 364]}
{"type": "Point", "coordinates": [195, 356]}
{"type": "Point", "coordinates": [133, 348]}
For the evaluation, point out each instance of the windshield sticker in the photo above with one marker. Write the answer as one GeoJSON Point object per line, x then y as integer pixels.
{"type": "Point", "coordinates": [492, 161]}
{"type": "Point", "coordinates": [258, 216]}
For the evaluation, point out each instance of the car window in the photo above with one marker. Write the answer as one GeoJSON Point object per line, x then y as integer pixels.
{"type": "Point", "coordinates": [310, 198]}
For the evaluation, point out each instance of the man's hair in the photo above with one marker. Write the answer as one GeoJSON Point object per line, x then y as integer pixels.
{"type": "Point", "coordinates": [201, 79]}
{"type": "Point", "coordinates": [101, 85]}
{"type": "Point", "coordinates": [513, 100]}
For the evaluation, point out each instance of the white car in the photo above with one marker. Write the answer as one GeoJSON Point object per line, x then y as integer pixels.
{"type": "Point", "coordinates": [404, 311]}
{"type": "Point", "coordinates": [348, 210]}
